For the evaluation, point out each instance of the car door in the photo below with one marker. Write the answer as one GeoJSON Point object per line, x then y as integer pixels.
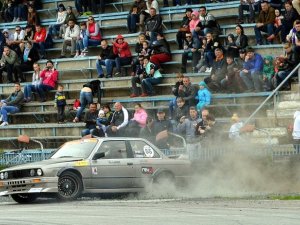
{"type": "Point", "coordinates": [116, 169]}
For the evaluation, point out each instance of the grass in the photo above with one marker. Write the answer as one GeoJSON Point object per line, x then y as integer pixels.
{"type": "Point", "coordinates": [286, 197]}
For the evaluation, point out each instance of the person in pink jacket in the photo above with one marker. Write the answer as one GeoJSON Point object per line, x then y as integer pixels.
{"type": "Point", "coordinates": [49, 75]}
{"type": "Point", "coordinates": [138, 121]}
{"type": "Point", "coordinates": [195, 20]}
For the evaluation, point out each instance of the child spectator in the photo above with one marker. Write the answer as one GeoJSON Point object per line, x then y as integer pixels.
{"type": "Point", "coordinates": [234, 131]}
{"type": "Point", "coordinates": [79, 41]}
{"type": "Point", "coordinates": [102, 121]}
{"type": "Point", "coordinates": [60, 103]}
{"type": "Point", "coordinates": [203, 97]}
{"type": "Point", "coordinates": [138, 77]}
{"type": "Point", "coordinates": [268, 72]}
{"type": "Point", "coordinates": [121, 48]}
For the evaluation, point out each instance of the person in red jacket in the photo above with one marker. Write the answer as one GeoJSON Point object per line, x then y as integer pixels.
{"type": "Point", "coordinates": [49, 76]}
{"type": "Point", "coordinates": [122, 50]}
{"type": "Point", "coordinates": [39, 39]}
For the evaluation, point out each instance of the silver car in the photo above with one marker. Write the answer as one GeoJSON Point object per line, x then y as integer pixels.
{"type": "Point", "coordinates": [95, 165]}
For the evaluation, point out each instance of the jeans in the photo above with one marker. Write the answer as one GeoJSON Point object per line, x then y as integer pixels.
{"type": "Point", "coordinates": [86, 98]}
{"type": "Point", "coordinates": [172, 107]}
{"type": "Point", "coordinates": [132, 19]}
{"type": "Point", "coordinates": [42, 88]}
{"type": "Point", "coordinates": [148, 82]}
{"type": "Point", "coordinates": [269, 29]}
{"type": "Point", "coordinates": [66, 43]}
{"type": "Point", "coordinates": [108, 63]}
{"type": "Point", "coordinates": [28, 89]}
{"type": "Point", "coordinates": [54, 29]}
{"type": "Point", "coordinates": [90, 42]}
{"type": "Point", "coordinates": [209, 58]}
{"type": "Point", "coordinates": [251, 8]}
{"type": "Point", "coordinates": [61, 113]}
{"type": "Point", "coordinates": [41, 47]}
{"type": "Point", "coordinates": [194, 56]}
{"type": "Point", "coordinates": [79, 45]}
{"type": "Point", "coordinates": [252, 80]}
{"type": "Point", "coordinates": [8, 109]}
{"type": "Point", "coordinates": [122, 61]}
{"type": "Point", "coordinates": [153, 37]}
{"type": "Point", "coordinates": [78, 6]}
{"type": "Point", "coordinates": [280, 76]}
{"type": "Point", "coordinates": [9, 68]}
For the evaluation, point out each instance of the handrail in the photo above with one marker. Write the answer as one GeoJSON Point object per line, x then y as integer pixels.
{"type": "Point", "coordinates": [274, 92]}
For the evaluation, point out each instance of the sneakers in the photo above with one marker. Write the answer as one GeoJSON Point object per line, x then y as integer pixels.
{"type": "Point", "coordinates": [144, 95]}
{"type": "Point", "coordinates": [208, 70]}
{"type": "Point", "coordinates": [133, 96]}
{"type": "Point", "coordinates": [117, 74]}
{"type": "Point", "coordinates": [76, 120]}
{"type": "Point", "coordinates": [85, 50]}
{"type": "Point", "coordinates": [4, 124]}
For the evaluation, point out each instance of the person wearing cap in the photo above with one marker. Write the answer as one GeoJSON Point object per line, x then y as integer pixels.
{"type": "Point", "coordinates": [69, 16]}
{"type": "Point", "coordinates": [153, 25]}
{"type": "Point", "coordinates": [60, 19]}
{"type": "Point", "coordinates": [203, 96]}
{"type": "Point", "coordinates": [161, 51]}
{"type": "Point", "coordinates": [184, 27]}
{"type": "Point", "coordinates": [93, 34]}
{"type": "Point", "coordinates": [161, 127]}
{"type": "Point", "coordinates": [137, 8]}
{"type": "Point", "coordinates": [70, 38]}
{"type": "Point", "coordinates": [119, 122]}
{"type": "Point", "coordinates": [8, 61]}
{"type": "Point", "coordinates": [234, 131]}
{"type": "Point", "coordinates": [252, 71]}
{"type": "Point", "coordinates": [265, 23]}
{"type": "Point", "coordinates": [122, 50]}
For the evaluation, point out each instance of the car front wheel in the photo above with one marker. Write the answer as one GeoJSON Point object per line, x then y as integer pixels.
{"type": "Point", "coordinates": [70, 186]}
{"type": "Point", "coordinates": [24, 198]}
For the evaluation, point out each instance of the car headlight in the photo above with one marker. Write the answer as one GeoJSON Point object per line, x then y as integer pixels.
{"type": "Point", "coordinates": [39, 172]}
{"type": "Point", "coordinates": [6, 175]}
{"type": "Point", "coordinates": [32, 172]}
{"type": "Point", "coordinates": [1, 176]}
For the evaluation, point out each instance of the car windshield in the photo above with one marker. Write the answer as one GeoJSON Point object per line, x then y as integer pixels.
{"type": "Point", "coordinates": [79, 148]}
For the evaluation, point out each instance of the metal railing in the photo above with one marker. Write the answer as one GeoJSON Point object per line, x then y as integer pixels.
{"type": "Point", "coordinates": [274, 92]}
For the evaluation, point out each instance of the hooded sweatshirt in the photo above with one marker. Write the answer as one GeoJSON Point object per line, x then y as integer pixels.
{"type": "Point", "coordinates": [194, 22]}
{"type": "Point", "coordinates": [268, 69]}
{"type": "Point", "coordinates": [122, 50]}
{"type": "Point", "coordinates": [204, 95]}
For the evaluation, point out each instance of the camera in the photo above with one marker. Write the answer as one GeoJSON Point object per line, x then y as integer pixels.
{"type": "Point", "coordinates": [48, 67]}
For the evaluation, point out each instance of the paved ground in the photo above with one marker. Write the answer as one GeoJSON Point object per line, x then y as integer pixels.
{"type": "Point", "coordinates": [151, 212]}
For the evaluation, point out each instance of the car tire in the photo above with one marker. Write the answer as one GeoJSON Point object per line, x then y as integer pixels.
{"type": "Point", "coordinates": [164, 184]}
{"type": "Point", "coordinates": [24, 198]}
{"type": "Point", "coordinates": [69, 187]}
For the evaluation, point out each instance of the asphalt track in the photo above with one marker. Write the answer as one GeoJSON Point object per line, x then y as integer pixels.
{"type": "Point", "coordinates": [96, 211]}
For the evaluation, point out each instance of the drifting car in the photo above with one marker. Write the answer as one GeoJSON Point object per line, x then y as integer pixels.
{"type": "Point", "coordinates": [94, 165]}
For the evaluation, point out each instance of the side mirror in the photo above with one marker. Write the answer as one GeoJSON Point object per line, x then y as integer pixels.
{"type": "Point", "coordinates": [98, 155]}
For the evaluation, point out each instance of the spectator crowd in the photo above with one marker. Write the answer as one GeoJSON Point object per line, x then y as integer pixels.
{"type": "Point", "coordinates": [231, 66]}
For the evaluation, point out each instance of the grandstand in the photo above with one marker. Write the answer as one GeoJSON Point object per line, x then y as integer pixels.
{"type": "Point", "coordinates": [38, 120]}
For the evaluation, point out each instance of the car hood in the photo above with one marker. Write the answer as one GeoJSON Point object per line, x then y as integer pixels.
{"type": "Point", "coordinates": [43, 163]}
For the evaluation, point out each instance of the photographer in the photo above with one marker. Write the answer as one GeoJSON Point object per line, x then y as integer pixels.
{"type": "Point", "coordinates": [49, 75]}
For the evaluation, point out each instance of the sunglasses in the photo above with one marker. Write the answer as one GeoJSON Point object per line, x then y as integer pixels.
{"type": "Point", "coordinates": [90, 19]}
{"type": "Point", "coordinates": [18, 30]}
{"type": "Point", "coordinates": [188, 36]}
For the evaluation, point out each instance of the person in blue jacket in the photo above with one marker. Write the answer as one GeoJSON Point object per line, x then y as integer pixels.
{"type": "Point", "coordinates": [203, 96]}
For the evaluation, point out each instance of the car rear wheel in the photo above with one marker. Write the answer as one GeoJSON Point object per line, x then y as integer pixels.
{"type": "Point", "coordinates": [24, 198]}
{"type": "Point", "coordinates": [164, 184]}
{"type": "Point", "coordinates": [70, 186]}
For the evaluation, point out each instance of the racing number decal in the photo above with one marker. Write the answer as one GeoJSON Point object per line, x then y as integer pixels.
{"type": "Point", "coordinates": [149, 153]}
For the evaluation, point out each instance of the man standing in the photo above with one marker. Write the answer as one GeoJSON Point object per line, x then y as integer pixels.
{"type": "Point", "coordinates": [265, 23]}
{"type": "Point", "coordinates": [105, 58]}
{"type": "Point", "coordinates": [71, 35]}
{"type": "Point", "coordinates": [118, 122]}
{"type": "Point", "coordinates": [187, 126]}
{"type": "Point", "coordinates": [8, 61]}
{"type": "Point", "coordinates": [252, 71]}
{"type": "Point", "coordinates": [12, 104]}
{"type": "Point", "coordinates": [137, 7]}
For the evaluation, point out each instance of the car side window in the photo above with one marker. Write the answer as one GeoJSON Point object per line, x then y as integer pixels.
{"type": "Point", "coordinates": [113, 149]}
{"type": "Point", "coordinates": [141, 149]}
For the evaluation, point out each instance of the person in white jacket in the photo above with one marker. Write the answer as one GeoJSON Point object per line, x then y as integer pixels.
{"type": "Point", "coordinates": [61, 16]}
{"type": "Point", "coordinates": [70, 38]}
{"type": "Point", "coordinates": [296, 131]}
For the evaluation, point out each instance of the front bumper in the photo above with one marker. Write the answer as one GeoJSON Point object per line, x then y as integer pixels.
{"type": "Point", "coordinates": [28, 185]}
